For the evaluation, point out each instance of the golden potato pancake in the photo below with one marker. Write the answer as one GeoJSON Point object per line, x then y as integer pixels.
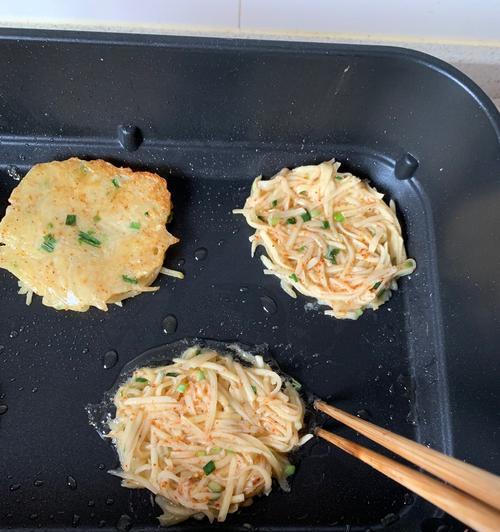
{"type": "Point", "coordinates": [86, 233]}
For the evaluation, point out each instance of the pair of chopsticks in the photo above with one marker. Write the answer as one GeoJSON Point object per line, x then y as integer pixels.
{"type": "Point", "coordinates": [470, 494]}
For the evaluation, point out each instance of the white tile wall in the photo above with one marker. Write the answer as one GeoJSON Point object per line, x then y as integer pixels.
{"type": "Point", "coordinates": [420, 19]}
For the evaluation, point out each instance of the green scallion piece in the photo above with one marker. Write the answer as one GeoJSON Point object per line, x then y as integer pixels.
{"type": "Point", "coordinates": [181, 388]}
{"type": "Point", "coordinates": [146, 213]}
{"type": "Point", "coordinates": [84, 168]}
{"type": "Point", "coordinates": [301, 249]}
{"type": "Point", "coordinates": [87, 238]}
{"type": "Point", "coordinates": [200, 376]}
{"type": "Point", "coordinates": [254, 388]}
{"type": "Point", "coordinates": [339, 217]}
{"type": "Point", "coordinates": [289, 470]}
{"type": "Point", "coordinates": [50, 225]}
{"type": "Point", "coordinates": [294, 278]}
{"type": "Point", "coordinates": [376, 285]}
{"type": "Point", "coordinates": [214, 487]}
{"type": "Point", "coordinates": [315, 212]}
{"type": "Point", "coordinates": [261, 218]}
{"type": "Point", "coordinates": [215, 450]}
{"type": "Point", "coordinates": [130, 280]}
{"type": "Point", "coordinates": [295, 383]}
{"type": "Point", "coordinates": [70, 219]}
{"type": "Point", "coordinates": [381, 294]}
{"type": "Point", "coordinates": [339, 177]}
{"type": "Point", "coordinates": [172, 374]}
{"type": "Point", "coordinates": [209, 467]}
{"type": "Point", "coordinates": [291, 221]}
{"type": "Point", "coordinates": [306, 216]}
{"type": "Point", "coordinates": [135, 225]}
{"type": "Point", "coordinates": [331, 253]}
{"type": "Point", "coordinates": [274, 203]}
{"type": "Point", "coordinates": [141, 379]}
{"type": "Point", "coordinates": [303, 192]}
{"type": "Point", "coordinates": [49, 243]}
{"type": "Point", "coordinates": [96, 218]}
{"type": "Point", "coordinates": [326, 224]}
{"type": "Point", "coordinates": [115, 182]}
{"type": "Point", "coordinates": [358, 313]}
{"type": "Point", "coordinates": [274, 220]}
{"type": "Point", "coordinates": [201, 453]}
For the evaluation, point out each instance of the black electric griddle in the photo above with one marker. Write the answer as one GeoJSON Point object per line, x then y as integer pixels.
{"type": "Point", "coordinates": [209, 115]}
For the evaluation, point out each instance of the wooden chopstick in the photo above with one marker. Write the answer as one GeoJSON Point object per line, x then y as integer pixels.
{"type": "Point", "coordinates": [470, 511]}
{"type": "Point", "coordinates": [468, 478]}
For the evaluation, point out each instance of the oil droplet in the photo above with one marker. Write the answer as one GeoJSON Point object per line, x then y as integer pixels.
{"type": "Point", "coordinates": [38, 483]}
{"type": "Point", "coordinates": [269, 305]}
{"type": "Point", "coordinates": [3, 409]}
{"type": "Point", "coordinates": [170, 324]}
{"type": "Point", "coordinates": [110, 501]}
{"type": "Point", "coordinates": [71, 482]}
{"type": "Point", "coordinates": [13, 334]}
{"type": "Point", "coordinates": [220, 243]}
{"type": "Point", "coordinates": [201, 254]}
{"type": "Point", "coordinates": [109, 359]}
{"type": "Point", "coordinates": [13, 172]}
{"type": "Point", "coordinates": [363, 414]}
{"type": "Point", "coordinates": [124, 524]}
{"type": "Point", "coordinates": [14, 487]}
{"type": "Point", "coordinates": [181, 262]}
{"type": "Point", "coordinates": [102, 467]}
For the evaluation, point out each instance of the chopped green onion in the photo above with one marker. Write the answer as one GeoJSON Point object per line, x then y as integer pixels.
{"type": "Point", "coordinates": [135, 225]}
{"type": "Point", "coordinates": [96, 218]}
{"type": "Point", "coordinates": [261, 218]}
{"type": "Point", "coordinates": [146, 213]}
{"type": "Point", "coordinates": [306, 216]}
{"type": "Point", "coordinates": [70, 219]}
{"type": "Point", "coordinates": [130, 280]}
{"type": "Point", "coordinates": [201, 453]}
{"type": "Point", "coordinates": [141, 379]}
{"type": "Point", "coordinates": [209, 467]}
{"type": "Point", "coordinates": [214, 487]}
{"type": "Point", "coordinates": [315, 212]}
{"type": "Point", "coordinates": [49, 243]}
{"type": "Point", "coordinates": [215, 496]}
{"type": "Point", "coordinates": [274, 203]}
{"type": "Point", "coordinates": [339, 217]}
{"type": "Point", "coordinates": [83, 168]}
{"type": "Point", "coordinates": [294, 278]}
{"type": "Point", "coordinates": [339, 177]}
{"type": "Point", "coordinates": [326, 224]}
{"type": "Point", "coordinates": [181, 388]}
{"type": "Point", "coordinates": [358, 312]}
{"type": "Point", "coordinates": [87, 238]}
{"type": "Point", "coordinates": [215, 450]}
{"type": "Point", "coordinates": [376, 285]}
{"type": "Point", "coordinates": [115, 182]}
{"type": "Point", "coordinates": [295, 383]}
{"type": "Point", "coordinates": [254, 388]}
{"type": "Point", "coordinates": [301, 249]}
{"type": "Point", "coordinates": [229, 451]}
{"type": "Point", "coordinates": [291, 221]}
{"type": "Point", "coordinates": [330, 254]}
{"type": "Point", "coordinates": [197, 352]}
{"type": "Point", "coordinates": [409, 263]}
{"type": "Point", "coordinates": [172, 374]}
{"type": "Point", "coordinates": [274, 220]}
{"type": "Point", "coordinates": [381, 294]}
{"type": "Point", "coordinates": [289, 470]}
{"type": "Point", "coordinates": [200, 376]}
{"type": "Point", "coordinates": [303, 192]}
{"type": "Point", "coordinates": [50, 225]}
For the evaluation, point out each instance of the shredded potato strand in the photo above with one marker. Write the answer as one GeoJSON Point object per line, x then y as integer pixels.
{"type": "Point", "coordinates": [206, 433]}
{"type": "Point", "coordinates": [328, 235]}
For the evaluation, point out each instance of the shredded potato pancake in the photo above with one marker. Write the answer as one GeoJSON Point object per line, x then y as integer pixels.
{"type": "Point", "coordinates": [207, 433]}
{"type": "Point", "coordinates": [328, 235]}
{"type": "Point", "coordinates": [86, 233]}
